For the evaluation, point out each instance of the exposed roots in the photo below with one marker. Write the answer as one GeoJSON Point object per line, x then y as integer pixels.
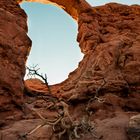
{"type": "Point", "coordinates": [63, 126]}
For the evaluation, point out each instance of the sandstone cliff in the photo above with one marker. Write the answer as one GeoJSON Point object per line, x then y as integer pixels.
{"type": "Point", "coordinates": [98, 98]}
{"type": "Point", "coordinates": [14, 49]}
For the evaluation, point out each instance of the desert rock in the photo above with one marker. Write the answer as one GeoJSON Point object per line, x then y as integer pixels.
{"type": "Point", "coordinates": [97, 100]}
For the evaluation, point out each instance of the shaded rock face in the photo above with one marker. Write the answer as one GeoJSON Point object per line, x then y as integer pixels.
{"type": "Point", "coordinates": [97, 99]}
{"type": "Point", "coordinates": [14, 48]}
{"type": "Point", "coordinates": [109, 38]}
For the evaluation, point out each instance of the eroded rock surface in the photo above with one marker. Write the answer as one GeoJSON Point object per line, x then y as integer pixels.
{"type": "Point", "coordinates": [98, 98]}
{"type": "Point", "coordinates": [14, 49]}
{"type": "Point", "coordinates": [109, 38]}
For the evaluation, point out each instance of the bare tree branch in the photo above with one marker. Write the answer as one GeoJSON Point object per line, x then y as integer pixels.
{"type": "Point", "coordinates": [33, 71]}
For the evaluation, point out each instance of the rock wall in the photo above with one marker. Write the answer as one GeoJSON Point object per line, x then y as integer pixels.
{"type": "Point", "coordinates": [109, 36]}
{"type": "Point", "coordinates": [14, 49]}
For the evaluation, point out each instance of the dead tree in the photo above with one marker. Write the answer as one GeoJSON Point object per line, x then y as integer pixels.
{"type": "Point", "coordinates": [33, 71]}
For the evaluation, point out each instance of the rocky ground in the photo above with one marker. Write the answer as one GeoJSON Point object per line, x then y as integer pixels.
{"type": "Point", "coordinates": [47, 117]}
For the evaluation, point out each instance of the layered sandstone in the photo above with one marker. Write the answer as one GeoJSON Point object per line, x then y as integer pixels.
{"type": "Point", "coordinates": [96, 100]}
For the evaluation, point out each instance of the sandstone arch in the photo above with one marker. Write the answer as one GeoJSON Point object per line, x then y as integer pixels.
{"type": "Point", "coordinates": [110, 69]}
{"type": "Point", "coordinates": [15, 46]}
{"type": "Point", "coordinates": [72, 7]}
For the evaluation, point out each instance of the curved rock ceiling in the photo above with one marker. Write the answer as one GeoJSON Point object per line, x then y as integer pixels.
{"type": "Point", "coordinates": [72, 7]}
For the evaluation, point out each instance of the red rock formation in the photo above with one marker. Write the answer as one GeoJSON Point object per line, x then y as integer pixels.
{"type": "Point", "coordinates": [109, 38]}
{"type": "Point", "coordinates": [102, 93]}
{"type": "Point", "coordinates": [14, 49]}
{"type": "Point", "coordinates": [72, 7]}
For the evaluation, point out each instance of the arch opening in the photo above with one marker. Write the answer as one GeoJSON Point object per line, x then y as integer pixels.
{"type": "Point", "coordinates": [53, 33]}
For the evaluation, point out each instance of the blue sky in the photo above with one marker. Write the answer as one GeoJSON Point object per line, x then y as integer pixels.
{"type": "Point", "coordinates": [101, 2]}
{"type": "Point", "coordinates": [53, 33]}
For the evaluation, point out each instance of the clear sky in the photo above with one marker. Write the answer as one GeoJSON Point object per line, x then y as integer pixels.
{"type": "Point", "coordinates": [101, 2]}
{"type": "Point", "coordinates": [53, 33]}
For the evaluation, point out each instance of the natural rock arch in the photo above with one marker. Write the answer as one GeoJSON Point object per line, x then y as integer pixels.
{"type": "Point", "coordinates": [72, 7]}
{"type": "Point", "coordinates": [15, 46]}
{"type": "Point", "coordinates": [109, 37]}
{"type": "Point", "coordinates": [98, 40]}
{"type": "Point", "coordinates": [97, 31]}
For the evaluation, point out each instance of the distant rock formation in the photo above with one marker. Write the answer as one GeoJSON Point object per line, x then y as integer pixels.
{"type": "Point", "coordinates": [105, 88]}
